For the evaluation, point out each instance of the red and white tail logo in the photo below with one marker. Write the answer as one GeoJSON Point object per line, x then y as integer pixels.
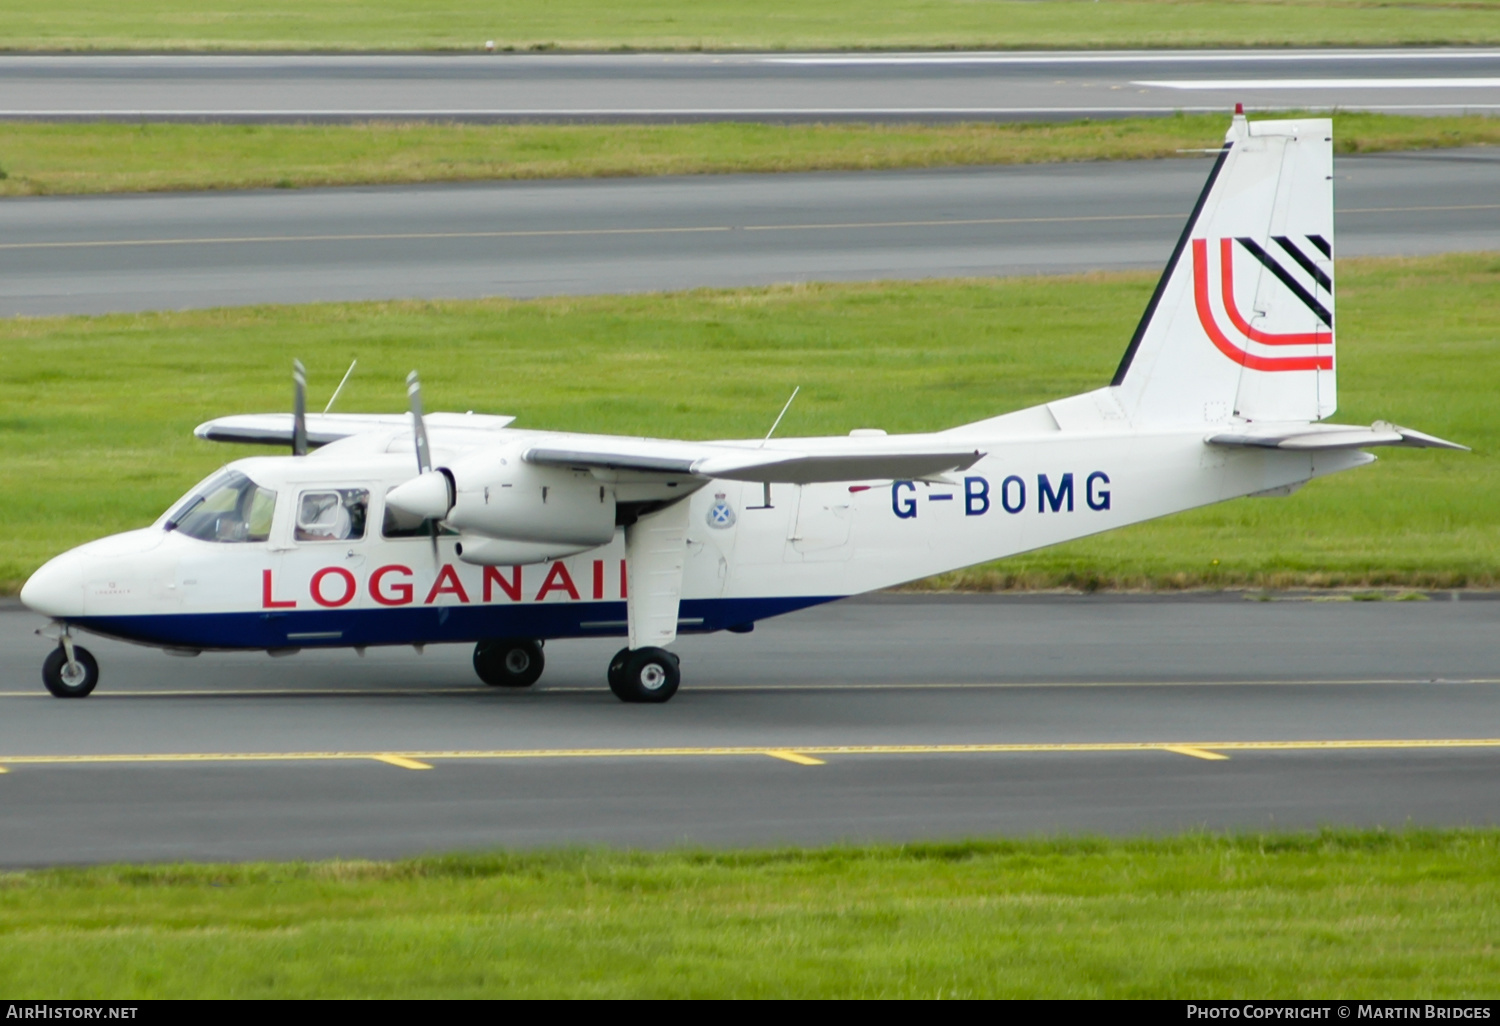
{"type": "Point", "coordinates": [1241, 324]}
{"type": "Point", "coordinates": [1240, 340]}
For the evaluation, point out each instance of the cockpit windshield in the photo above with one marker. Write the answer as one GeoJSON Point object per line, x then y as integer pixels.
{"type": "Point", "coordinates": [226, 508]}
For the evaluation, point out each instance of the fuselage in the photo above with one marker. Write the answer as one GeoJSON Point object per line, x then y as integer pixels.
{"type": "Point", "coordinates": [307, 574]}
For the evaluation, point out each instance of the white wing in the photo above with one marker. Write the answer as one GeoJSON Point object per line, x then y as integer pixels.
{"type": "Point", "coordinates": [324, 428]}
{"type": "Point", "coordinates": [799, 461]}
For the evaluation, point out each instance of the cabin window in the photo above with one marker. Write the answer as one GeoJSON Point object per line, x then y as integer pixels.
{"type": "Point", "coordinates": [332, 514]}
{"type": "Point", "coordinates": [228, 508]}
{"type": "Point", "coordinates": [397, 524]}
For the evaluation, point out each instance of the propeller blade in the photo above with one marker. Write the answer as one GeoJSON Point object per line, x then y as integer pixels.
{"type": "Point", "coordinates": [299, 409]}
{"type": "Point", "coordinates": [429, 495]}
{"type": "Point", "coordinates": [418, 425]}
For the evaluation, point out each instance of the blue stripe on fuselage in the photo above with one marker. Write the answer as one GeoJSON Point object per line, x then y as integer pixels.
{"type": "Point", "coordinates": [409, 625]}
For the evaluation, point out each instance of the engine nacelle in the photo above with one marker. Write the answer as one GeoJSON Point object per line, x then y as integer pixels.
{"type": "Point", "coordinates": [498, 495]}
{"type": "Point", "coordinates": [480, 551]}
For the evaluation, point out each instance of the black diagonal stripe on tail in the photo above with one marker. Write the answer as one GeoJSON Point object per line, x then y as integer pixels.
{"type": "Point", "coordinates": [1166, 275]}
{"type": "Point", "coordinates": [1322, 244]}
{"type": "Point", "coordinates": [1286, 279]}
{"type": "Point", "coordinates": [1324, 282]}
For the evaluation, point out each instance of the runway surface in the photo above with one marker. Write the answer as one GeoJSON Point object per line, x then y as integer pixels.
{"type": "Point", "coordinates": [124, 253]}
{"type": "Point", "coordinates": [888, 718]}
{"type": "Point", "coordinates": [681, 87]}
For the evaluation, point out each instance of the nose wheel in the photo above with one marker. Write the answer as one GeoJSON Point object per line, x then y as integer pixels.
{"type": "Point", "coordinates": [509, 662]}
{"type": "Point", "coordinates": [644, 675]}
{"type": "Point", "coordinates": [70, 671]}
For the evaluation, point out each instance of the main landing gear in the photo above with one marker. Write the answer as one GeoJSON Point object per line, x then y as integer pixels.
{"type": "Point", "coordinates": [70, 671]}
{"type": "Point", "coordinates": [644, 675]}
{"type": "Point", "coordinates": [509, 662]}
{"type": "Point", "coordinates": [635, 675]}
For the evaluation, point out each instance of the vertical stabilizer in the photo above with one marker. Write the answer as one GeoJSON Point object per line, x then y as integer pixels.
{"type": "Point", "coordinates": [1241, 323]}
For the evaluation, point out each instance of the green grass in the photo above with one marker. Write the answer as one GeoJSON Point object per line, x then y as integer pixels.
{"type": "Point", "coordinates": [1367, 914]}
{"type": "Point", "coordinates": [39, 159]}
{"type": "Point", "coordinates": [95, 435]}
{"type": "Point", "coordinates": [734, 24]}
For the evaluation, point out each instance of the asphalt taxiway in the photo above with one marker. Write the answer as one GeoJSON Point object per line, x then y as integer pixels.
{"type": "Point", "coordinates": [97, 254]}
{"type": "Point", "coordinates": [886, 718]}
{"type": "Point", "coordinates": [746, 86]}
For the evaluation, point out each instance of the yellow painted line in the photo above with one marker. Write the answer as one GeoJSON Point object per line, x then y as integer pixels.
{"type": "Point", "coordinates": [958, 222]}
{"type": "Point", "coordinates": [1197, 753]}
{"type": "Point", "coordinates": [992, 685]}
{"type": "Point", "coordinates": [236, 240]}
{"type": "Point", "coordinates": [402, 761]}
{"type": "Point", "coordinates": [797, 757]}
{"type": "Point", "coordinates": [4, 770]}
{"type": "Point", "coordinates": [1414, 210]}
{"type": "Point", "coordinates": [233, 240]}
{"type": "Point", "coordinates": [270, 692]}
{"type": "Point", "coordinates": [804, 751]}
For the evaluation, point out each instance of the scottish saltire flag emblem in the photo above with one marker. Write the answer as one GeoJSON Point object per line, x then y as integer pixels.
{"type": "Point", "coordinates": [720, 514]}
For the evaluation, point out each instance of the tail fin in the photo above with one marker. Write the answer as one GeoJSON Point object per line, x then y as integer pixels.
{"type": "Point", "coordinates": [1241, 323]}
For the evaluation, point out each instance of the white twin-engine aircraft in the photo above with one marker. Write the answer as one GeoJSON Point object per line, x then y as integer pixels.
{"type": "Point", "coordinates": [507, 538]}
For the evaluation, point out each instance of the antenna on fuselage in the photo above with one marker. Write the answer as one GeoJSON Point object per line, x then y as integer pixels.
{"type": "Point", "coordinates": [299, 409]}
{"type": "Point", "coordinates": [777, 423]}
{"type": "Point", "coordinates": [766, 485]}
{"type": "Point", "coordinates": [336, 391]}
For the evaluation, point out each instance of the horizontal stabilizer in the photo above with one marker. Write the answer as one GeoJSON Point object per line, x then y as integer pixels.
{"type": "Point", "coordinates": [324, 428]}
{"type": "Point", "coordinates": [840, 460]}
{"type": "Point", "coordinates": [1323, 437]}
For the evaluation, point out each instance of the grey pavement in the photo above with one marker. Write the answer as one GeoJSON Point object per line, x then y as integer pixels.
{"type": "Point", "coordinates": [787, 86]}
{"type": "Point", "coordinates": [124, 253]}
{"type": "Point", "coordinates": [886, 670]}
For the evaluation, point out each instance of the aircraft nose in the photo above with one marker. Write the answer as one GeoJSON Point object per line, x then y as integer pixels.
{"type": "Point", "coordinates": [56, 590]}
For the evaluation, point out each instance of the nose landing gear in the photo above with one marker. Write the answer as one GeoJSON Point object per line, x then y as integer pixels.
{"type": "Point", "coordinates": [644, 675]}
{"type": "Point", "coordinates": [509, 662]}
{"type": "Point", "coordinates": [70, 671]}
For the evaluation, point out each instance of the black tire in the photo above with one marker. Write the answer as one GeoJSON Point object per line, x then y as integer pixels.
{"type": "Point", "coordinates": [616, 670]}
{"type": "Point", "coordinates": [55, 673]}
{"type": "Point", "coordinates": [647, 675]}
{"type": "Point", "coordinates": [509, 662]}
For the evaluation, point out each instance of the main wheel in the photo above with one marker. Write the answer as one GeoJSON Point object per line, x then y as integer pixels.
{"type": "Point", "coordinates": [644, 675]}
{"type": "Point", "coordinates": [616, 671]}
{"type": "Point", "coordinates": [509, 662]}
{"type": "Point", "coordinates": [74, 681]}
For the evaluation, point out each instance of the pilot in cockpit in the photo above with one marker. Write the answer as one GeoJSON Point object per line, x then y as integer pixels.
{"type": "Point", "coordinates": [322, 516]}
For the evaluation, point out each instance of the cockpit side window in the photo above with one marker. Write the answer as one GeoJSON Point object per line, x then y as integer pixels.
{"type": "Point", "coordinates": [228, 508]}
{"type": "Point", "coordinates": [397, 524]}
{"type": "Point", "coordinates": [332, 514]}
